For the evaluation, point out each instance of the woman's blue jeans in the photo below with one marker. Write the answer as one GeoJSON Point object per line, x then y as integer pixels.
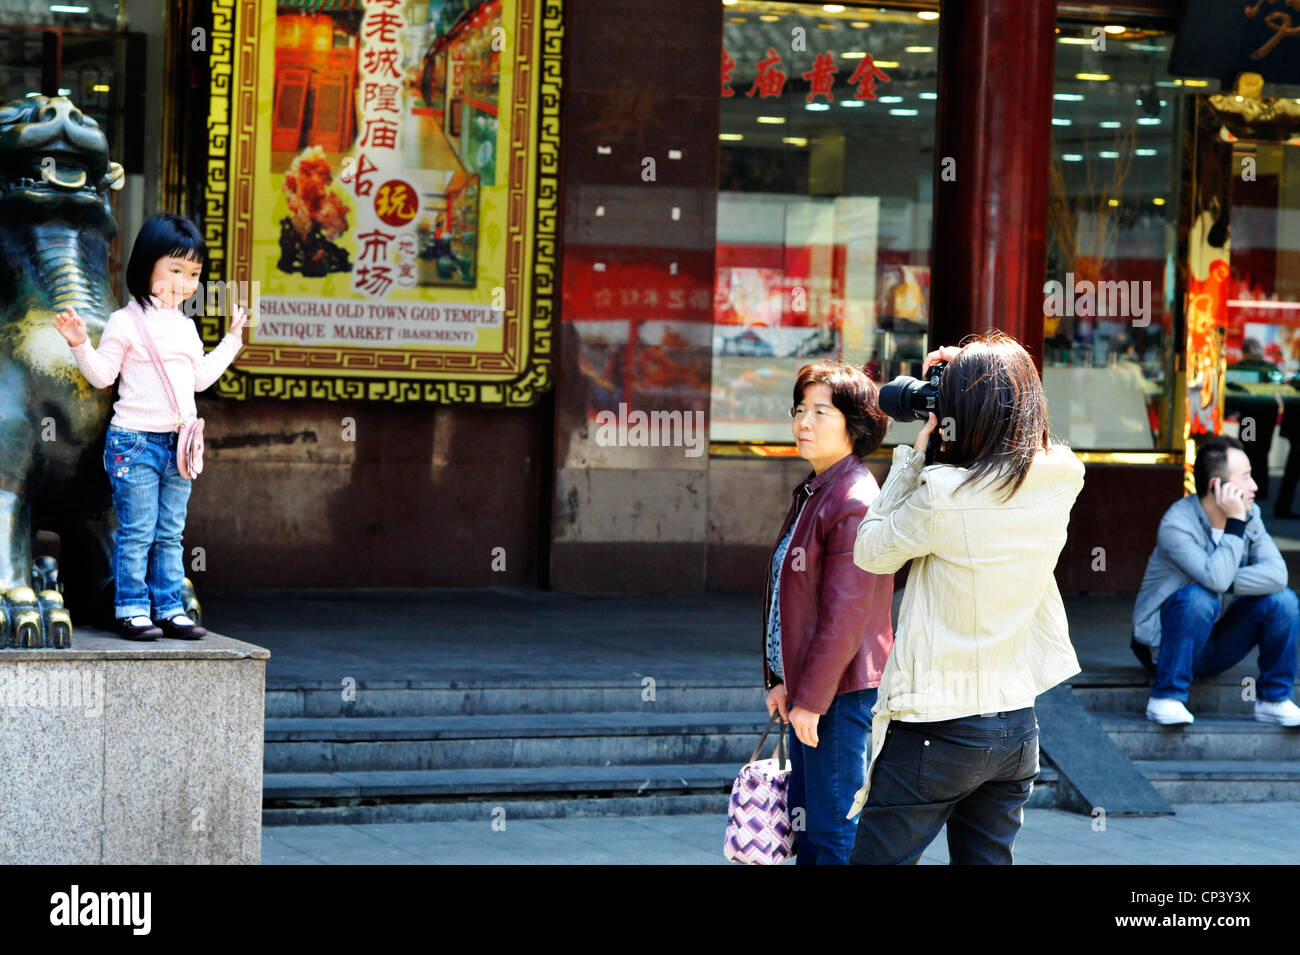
{"type": "Point", "coordinates": [824, 779]}
{"type": "Point", "coordinates": [973, 773]}
{"type": "Point", "coordinates": [150, 498]}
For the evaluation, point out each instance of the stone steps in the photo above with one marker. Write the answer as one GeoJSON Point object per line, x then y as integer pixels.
{"type": "Point", "coordinates": [523, 792]}
{"type": "Point", "coordinates": [426, 752]}
{"type": "Point", "coordinates": [300, 745]}
{"type": "Point", "coordinates": [1213, 736]}
{"type": "Point", "coordinates": [407, 699]}
{"type": "Point", "coordinates": [1223, 780]}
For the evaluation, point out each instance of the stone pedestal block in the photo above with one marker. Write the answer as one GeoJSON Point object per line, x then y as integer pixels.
{"type": "Point", "coordinates": [121, 752]}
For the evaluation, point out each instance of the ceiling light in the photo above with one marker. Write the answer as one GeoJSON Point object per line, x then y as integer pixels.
{"type": "Point", "coordinates": [794, 140]}
{"type": "Point", "coordinates": [773, 120]}
{"type": "Point", "coordinates": [1057, 121]}
{"type": "Point", "coordinates": [1145, 152]}
{"type": "Point", "coordinates": [1072, 157]}
{"type": "Point", "coordinates": [918, 49]}
{"type": "Point", "coordinates": [887, 64]}
{"type": "Point", "coordinates": [730, 137]}
{"type": "Point", "coordinates": [1115, 29]}
{"type": "Point", "coordinates": [1148, 120]}
{"type": "Point", "coordinates": [929, 95]}
{"type": "Point", "coordinates": [1158, 201]}
{"type": "Point", "coordinates": [853, 102]}
{"type": "Point", "coordinates": [1068, 97]}
{"type": "Point", "coordinates": [833, 7]}
{"type": "Point", "coordinates": [889, 99]}
{"type": "Point", "coordinates": [1108, 154]}
{"type": "Point", "coordinates": [1074, 40]}
{"type": "Point", "coordinates": [817, 107]}
{"type": "Point", "coordinates": [1092, 77]}
{"type": "Point", "coordinates": [902, 112]}
{"type": "Point", "coordinates": [1110, 124]}
{"type": "Point", "coordinates": [1112, 202]}
{"type": "Point", "coordinates": [1196, 82]}
{"type": "Point", "coordinates": [928, 15]}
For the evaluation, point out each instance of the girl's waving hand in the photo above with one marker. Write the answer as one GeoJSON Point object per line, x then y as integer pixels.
{"type": "Point", "coordinates": [71, 326]}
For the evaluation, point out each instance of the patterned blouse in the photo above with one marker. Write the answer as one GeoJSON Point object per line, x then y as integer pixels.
{"type": "Point", "coordinates": [774, 613]}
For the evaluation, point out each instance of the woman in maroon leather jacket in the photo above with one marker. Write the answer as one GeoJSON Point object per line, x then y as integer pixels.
{"type": "Point", "coordinates": [827, 630]}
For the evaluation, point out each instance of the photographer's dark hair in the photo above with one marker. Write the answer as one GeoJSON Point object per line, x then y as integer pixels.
{"type": "Point", "coordinates": [162, 235]}
{"type": "Point", "coordinates": [993, 393]}
{"type": "Point", "coordinates": [1212, 461]}
{"type": "Point", "coordinates": [854, 395]}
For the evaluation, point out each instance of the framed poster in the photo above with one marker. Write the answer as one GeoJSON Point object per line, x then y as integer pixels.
{"type": "Point", "coordinates": [384, 176]}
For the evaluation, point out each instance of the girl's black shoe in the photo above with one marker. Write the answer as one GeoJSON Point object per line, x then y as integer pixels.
{"type": "Point", "coordinates": [182, 631]}
{"type": "Point", "coordinates": [130, 631]}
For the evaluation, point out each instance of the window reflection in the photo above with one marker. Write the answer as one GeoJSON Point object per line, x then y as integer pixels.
{"type": "Point", "coordinates": [823, 241]}
{"type": "Point", "coordinates": [1109, 299]}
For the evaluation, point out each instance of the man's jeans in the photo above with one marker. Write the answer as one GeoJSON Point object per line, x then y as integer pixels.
{"type": "Point", "coordinates": [150, 498]}
{"type": "Point", "coordinates": [974, 773]}
{"type": "Point", "coordinates": [1193, 645]}
{"type": "Point", "coordinates": [824, 779]}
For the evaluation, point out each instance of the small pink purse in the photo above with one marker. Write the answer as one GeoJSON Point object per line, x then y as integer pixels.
{"type": "Point", "coordinates": [758, 816]}
{"type": "Point", "coordinates": [189, 443]}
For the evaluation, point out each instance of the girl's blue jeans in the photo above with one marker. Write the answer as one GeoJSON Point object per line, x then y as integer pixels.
{"type": "Point", "coordinates": [824, 779]}
{"type": "Point", "coordinates": [150, 498]}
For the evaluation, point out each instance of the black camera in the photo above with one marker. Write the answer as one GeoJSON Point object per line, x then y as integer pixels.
{"type": "Point", "coordinates": [912, 399]}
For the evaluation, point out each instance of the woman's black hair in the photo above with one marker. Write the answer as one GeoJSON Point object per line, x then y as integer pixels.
{"type": "Point", "coordinates": [163, 235]}
{"type": "Point", "coordinates": [995, 398]}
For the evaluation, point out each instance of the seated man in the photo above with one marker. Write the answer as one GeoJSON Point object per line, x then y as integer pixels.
{"type": "Point", "coordinates": [1215, 587]}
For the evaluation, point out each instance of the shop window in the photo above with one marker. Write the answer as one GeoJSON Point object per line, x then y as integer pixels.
{"type": "Point", "coordinates": [1109, 300]}
{"type": "Point", "coordinates": [825, 181]}
{"type": "Point", "coordinates": [76, 14]}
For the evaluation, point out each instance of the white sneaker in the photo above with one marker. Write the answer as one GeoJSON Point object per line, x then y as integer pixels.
{"type": "Point", "coordinates": [1168, 712]}
{"type": "Point", "coordinates": [1283, 712]}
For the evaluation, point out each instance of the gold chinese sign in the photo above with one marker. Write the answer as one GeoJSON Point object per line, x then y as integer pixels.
{"type": "Point", "coordinates": [384, 175]}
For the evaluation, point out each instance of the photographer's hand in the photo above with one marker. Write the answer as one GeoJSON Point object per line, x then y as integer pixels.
{"type": "Point", "coordinates": [946, 353]}
{"type": "Point", "coordinates": [923, 438]}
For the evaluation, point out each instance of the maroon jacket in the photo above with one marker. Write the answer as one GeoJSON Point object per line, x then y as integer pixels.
{"type": "Point", "coordinates": [836, 631]}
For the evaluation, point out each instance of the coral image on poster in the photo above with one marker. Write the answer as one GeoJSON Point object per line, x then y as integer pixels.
{"type": "Point", "coordinates": [317, 215]}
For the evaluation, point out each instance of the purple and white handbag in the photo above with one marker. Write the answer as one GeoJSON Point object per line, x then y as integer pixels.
{"type": "Point", "coordinates": [758, 816]}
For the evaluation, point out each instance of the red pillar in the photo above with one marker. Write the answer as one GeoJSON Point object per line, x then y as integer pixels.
{"type": "Point", "coordinates": [995, 121]}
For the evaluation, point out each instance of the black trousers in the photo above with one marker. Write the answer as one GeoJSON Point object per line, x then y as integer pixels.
{"type": "Point", "coordinates": [974, 774]}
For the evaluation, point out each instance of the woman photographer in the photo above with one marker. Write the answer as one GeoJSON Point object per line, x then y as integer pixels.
{"type": "Point", "coordinates": [981, 629]}
{"type": "Point", "coordinates": [826, 623]}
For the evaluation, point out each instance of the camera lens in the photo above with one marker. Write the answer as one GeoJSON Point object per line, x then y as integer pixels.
{"type": "Point", "coordinates": [900, 398]}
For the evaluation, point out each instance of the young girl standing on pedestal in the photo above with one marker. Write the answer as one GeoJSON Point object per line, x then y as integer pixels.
{"type": "Point", "coordinates": [149, 494]}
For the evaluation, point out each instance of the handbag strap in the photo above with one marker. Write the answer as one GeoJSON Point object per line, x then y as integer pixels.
{"type": "Point", "coordinates": [134, 308]}
{"type": "Point", "coordinates": [780, 740]}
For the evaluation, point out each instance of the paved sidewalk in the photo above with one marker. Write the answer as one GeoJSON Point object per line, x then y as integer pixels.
{"type": "Point", "coordinates": [1200, 834]}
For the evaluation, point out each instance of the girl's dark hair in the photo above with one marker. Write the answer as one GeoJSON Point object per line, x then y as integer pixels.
{"type": "Point", "coordinates": [856, 397]}
{"type": "Point", "coordinates": [993, 393]}
{"type": "Point", "coordinates": [162, 235]}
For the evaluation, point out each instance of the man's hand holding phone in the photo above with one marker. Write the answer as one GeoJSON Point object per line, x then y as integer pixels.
{"type": "Point", "coordinates": [1229, 497]}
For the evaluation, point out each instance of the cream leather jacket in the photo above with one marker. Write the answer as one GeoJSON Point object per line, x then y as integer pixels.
{"type": "Point", "coordinates": [981, 628]}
